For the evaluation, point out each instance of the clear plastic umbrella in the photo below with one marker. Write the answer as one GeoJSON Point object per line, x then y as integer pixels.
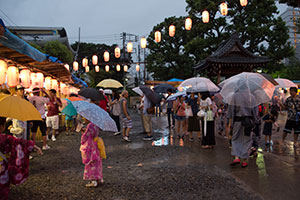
{"type": "Point", "coordinates": [284, 83]}
{"type": "Point", "coordinates": [247, 89]}
{"type": "Point", "coordinates": [198, 84]}
{"type": "Point", "coordinates": [177, 94]}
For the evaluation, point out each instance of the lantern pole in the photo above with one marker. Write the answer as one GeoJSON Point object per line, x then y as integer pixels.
{"type": "Point", "coordinates": [139, 59]}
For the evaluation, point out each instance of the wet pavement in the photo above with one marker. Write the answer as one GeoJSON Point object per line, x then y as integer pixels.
{"type": "Point", "coordinates": [166, 168]}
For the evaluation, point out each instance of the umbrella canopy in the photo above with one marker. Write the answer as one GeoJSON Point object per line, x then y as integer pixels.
{"type": "Point", "coordinates": [270, 78]}
{"type": "Point", "coordinates": [138, 91]}
{"type": "Point", "coordinates": [175, 80]}
{"type": "Point", "coordinates": [109, 83]}
{"type": "Point", "coordinates": [285, 83]}
{"type": "Point", "coordinates": [96, 115]}
{"type": "Point", "coordinates": [91, 93]}
{"type": "Point", "coordinates": [177, 94]}
{"type": "Point", "coordinates": [18, 108]}
{"type": "Point", "coordinates": [198, 84]}
{"type": "Point", "coordinates": [150, 94]}
{"type": "Point", "coordinates": [74, 99]}
{"type": "Point", "coordinates": [69, 110]}
{"type": "Point", "coordinates": [247, 90]}
{"type": "Point", "coordinates": [163, 88]}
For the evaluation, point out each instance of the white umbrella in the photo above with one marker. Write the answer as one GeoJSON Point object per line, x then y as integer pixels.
{"type": "Point", "coordinates": [198, 84]}
{"type": "Point", "coordinates": [138, 91]}
{"type": "Point", "coordinates": [247, 90]}
{"type": "Point", "coordinates": [177, 94]}
{"type": "Point", "coordinates": [285, 83]}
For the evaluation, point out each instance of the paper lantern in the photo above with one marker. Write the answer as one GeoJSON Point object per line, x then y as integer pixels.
{"type": "Point", "coordinates": [3, 69]}
{"type": "Point", "coordinates": [137, 67]}
{"type": "Point", "coordinates": [224, 9]}
{"type": "Point", "coordinates": [75, 66]}
{"type": "Point", "coordinates": [125, 68]}
{"type": "Point", "coordinates": [54, 84]}
{"type": "Point", "coordinates": [87, 69]}
{"type": "Point", "coordinates": [243, 2]}
{"type": "Point", "coordinates": [118, 68]}
{"type": "Point", "coordinates": [106, 56]}
{"type": "Point", "coordinates": [25, 78]}
{"type": "Point", "coordinates": [107, 68]}
{"type": "Point", "coordinates": [40, 79]}
{"type": "Point", "coordinates": [95, 59]}
{"type": "Point", "coordinates": [48, 83]}
{"type": "Point", "coordinates": [143, 43]}
{"type": "Point", "coordinates": [117, 52]}
{"type": "Point", "coordinates": [188, 24]}
{"type": "Point", "coordinates": [157, 36]}
{"type": "Point", "coordinates": [172, 30]}
{"type": "Point", "coordinates": [67, 66]}
{"type": "Point", "coordinates": [205, 16]}
{"type": "Point", "coordinates": [12, 76]}
{"type": "Point", "coordinates": [85, 62]}
{"type": "Point", "coordinates": [97, 69]}
{"type": "Point", "coordinates": [129, 47]}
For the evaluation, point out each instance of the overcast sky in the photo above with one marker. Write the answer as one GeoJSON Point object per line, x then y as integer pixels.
{"type": "Point", "coordinates": [100, 21]}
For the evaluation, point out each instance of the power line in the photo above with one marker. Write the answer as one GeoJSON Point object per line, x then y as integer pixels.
{"type": "Point", "coordinates": [8, 17]}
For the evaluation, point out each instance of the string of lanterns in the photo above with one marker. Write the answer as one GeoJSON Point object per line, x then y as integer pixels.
{"type": "Point", "coordinates": [27, 79]}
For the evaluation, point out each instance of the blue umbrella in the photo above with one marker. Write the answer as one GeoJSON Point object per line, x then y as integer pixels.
{"type": "Point", "coordinates": [96, 115]}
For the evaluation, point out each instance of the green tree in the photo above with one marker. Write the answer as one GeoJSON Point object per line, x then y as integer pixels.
{"type": "Point", "coordinates": [87, 50]}
{"type": "Point", "coordinates": [59, 50]}
{"type": "Point", "coordinates": [259, 30]}
{"type": "Point", "coordinates": [293, 3]}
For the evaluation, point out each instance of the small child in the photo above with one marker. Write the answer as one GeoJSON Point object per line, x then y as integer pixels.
{"type": "Point", "coordinates": [69, 120]}
{"type": "Point", "coordinates": [269, 120]}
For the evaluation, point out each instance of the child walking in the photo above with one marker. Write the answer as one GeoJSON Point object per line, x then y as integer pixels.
{"type": "Point", "coordinates": [269, 120]}
{"type": "Point", "coordinates": [91, 156]}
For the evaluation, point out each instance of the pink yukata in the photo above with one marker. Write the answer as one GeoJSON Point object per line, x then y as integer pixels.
{"type": "Point", "coordinates": [90, 154]}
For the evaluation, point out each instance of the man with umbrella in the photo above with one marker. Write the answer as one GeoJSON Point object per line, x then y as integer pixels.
{"type": "Point", "coordinates": [170, 111]}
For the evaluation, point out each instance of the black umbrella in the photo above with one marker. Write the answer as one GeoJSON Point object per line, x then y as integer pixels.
{"type": "Point", "coordinates": [150, 94]}
{"type": "Point", "coordinates": [163, 88]}
{"type": "Point", "coordinates": [92, 94]}
{"type": "Point", "coordinates": [270, 78]}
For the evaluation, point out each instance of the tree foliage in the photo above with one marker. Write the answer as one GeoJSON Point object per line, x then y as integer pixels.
{"type": "Point", "coordinates": [259, 30]}
{"type": "Point", "coordinates": [59, 50]}
{"type": "Point", "coordinates": [293, 3]}
{"type": "Point", "coordinates": [87, 50]}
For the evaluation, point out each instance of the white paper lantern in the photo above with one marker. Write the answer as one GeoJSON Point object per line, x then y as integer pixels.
{"type": "Point", "coordinates": [188, 24]}
{"type": "Point", "coordinates": [95, 59]}
{"type": "Point", "coordinates": [172, 29]}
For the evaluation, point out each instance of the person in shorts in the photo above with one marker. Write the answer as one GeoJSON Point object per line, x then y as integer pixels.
{"type": "Point", "coordinates": [126, 120]}
{"type": "Point", "coordinates": [39, 102]}
{"type": "Point", "coordinates": [52, 120]}
{"type": "Point", "coordinates": [292, 105]}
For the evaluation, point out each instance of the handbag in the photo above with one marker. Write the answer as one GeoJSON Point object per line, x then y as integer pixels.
{"type": "Point", "coordinates": [209, 115]}
{"type": "Point", "coordinates": [101, 147]}
{"type": "Point", "coordinates": [188, 112]}
{"type": "Point", "coordinates": [201, 113]}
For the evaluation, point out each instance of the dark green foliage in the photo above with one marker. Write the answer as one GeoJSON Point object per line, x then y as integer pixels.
{"type": "Point", "coordinates": [59, 50]}
{"type": "Point", "coordinates": [293, 3]}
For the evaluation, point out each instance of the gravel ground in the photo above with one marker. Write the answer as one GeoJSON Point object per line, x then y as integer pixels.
{"type": "Point", "coordinates": [130, 172]}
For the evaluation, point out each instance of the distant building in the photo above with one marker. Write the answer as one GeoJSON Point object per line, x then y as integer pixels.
{"type": "Point", "coordinates": [291, 16]}
{"type": "Point", "coordinates": [41, 35]}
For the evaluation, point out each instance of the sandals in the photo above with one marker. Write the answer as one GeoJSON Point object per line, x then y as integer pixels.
{"type": "Point", "coordinates": [235, 162]}
{"type": "Point", "coordinates": [244, 164]}
{"type": "Point", "coordinates": [92, 184]}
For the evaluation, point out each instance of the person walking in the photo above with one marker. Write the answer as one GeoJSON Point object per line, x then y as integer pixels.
{"type": "Point", "coordinates": [147, 112]}
{"type": "Point", "coordinates": [193, 121]}
{"type": "Point", "coordinates": [126, 120]}
{"type": "Point", "coordinates": [292, 105]}
{"type": "Point", "coordinates": [170, 111]}
{"type": "Point", "coordinates": [180, 116]}
{"type": "Point", "coordinates": [207, 122]}
{"type": "Point", "coordinates": [39, 103]}
{"type": "Point", "coordinates": [116, 110]}
{"type": "Point", "coordinates": [91, 156]}
{"type": "Point", "coordinates": [52, 120]}
{"type": "Point", "coordinates": [269, 120]}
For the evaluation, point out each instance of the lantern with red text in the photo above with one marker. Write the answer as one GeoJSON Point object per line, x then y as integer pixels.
{"type": "Point", "coordinates": [12, 76]}
{"type": "Point", "coordinates": [244, 2]}
{"type": "Point", "coordinates": [172, 30]}
{"type": "Point", "coordinates": [97, 69]}
{"type": "Point", "coordinates": [117, 52]}
{"type": "Point", "coordinates": [85, 62]}
{"type": "Point", "coordinates": [75, 66]}
{"type": "Point", "coordinates": [205, 16]}
{"type": "Point", "coordinates": [125, 68]}
{"type": "Point", "coordinates": [95, 59]}
{"type": "Point", "coordinates": [107, 68]}
{"type": "Point", "coordinates": [118, 67]}
{"type": "Point", "coordinates": [129, 47]}
{"type": "Point", "coordinates": [143, 43]}
{"type": "Point", "coordinates": [224, 9]}
{"type": "Point", "coordinates": [188, 24]}
{"type": "Point", "coordinates": [106, 56]}
{"type": "Point", "coordinates": [3, 69]}
{"type": "Point", "coordinates": [48, 83]}
{"type": "Point", "coordinates": [87, 69]}
{"type": "Point", "coordinates": [157, 36]}
{"type": "Point", "coordinates": [25, 78]}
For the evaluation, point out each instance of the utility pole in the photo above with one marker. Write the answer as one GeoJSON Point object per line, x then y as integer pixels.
{"type": "Point", "coordinates": [139, 61]}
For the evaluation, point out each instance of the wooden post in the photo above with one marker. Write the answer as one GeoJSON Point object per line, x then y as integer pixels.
{"type": "Point", "coordinates": [219, 74]}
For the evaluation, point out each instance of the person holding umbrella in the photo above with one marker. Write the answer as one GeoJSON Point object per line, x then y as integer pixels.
{"type": "Point", "coordinates": [170, 111]}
